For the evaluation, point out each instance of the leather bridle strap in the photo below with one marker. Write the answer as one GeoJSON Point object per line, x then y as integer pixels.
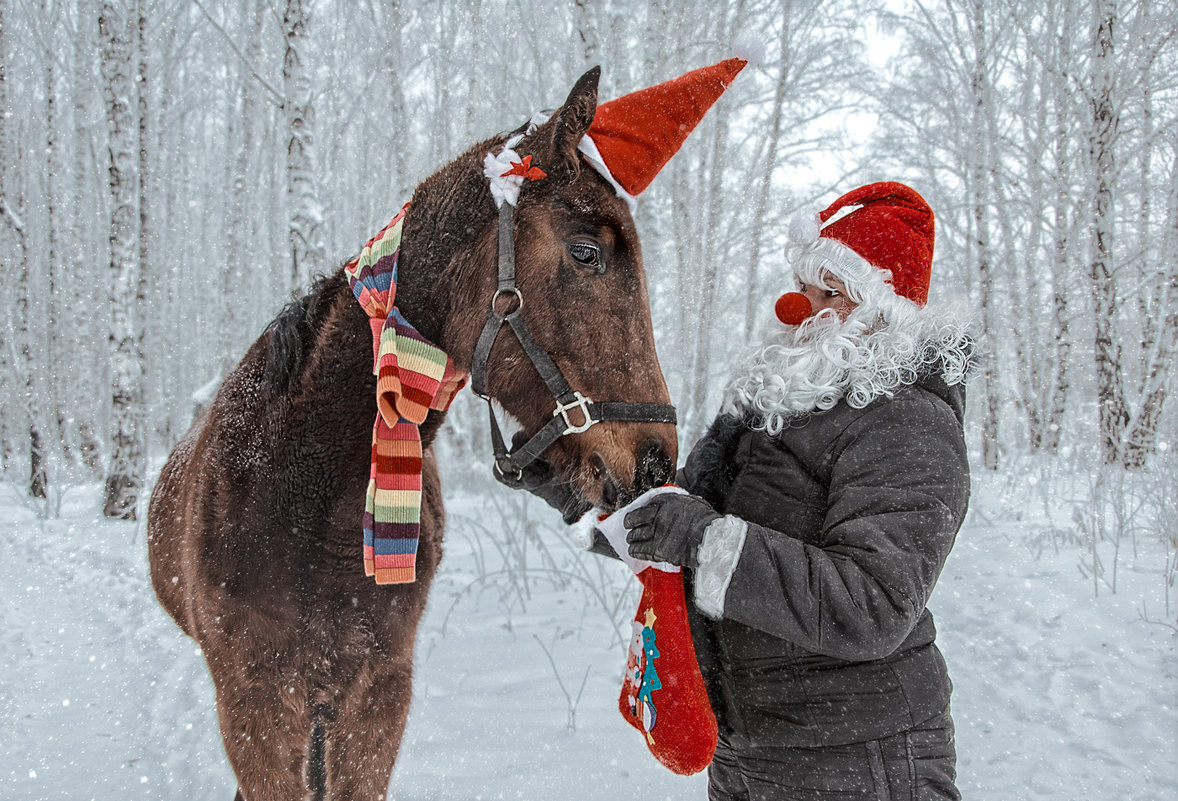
{"type": "Point", "coordinates": [512, 463]}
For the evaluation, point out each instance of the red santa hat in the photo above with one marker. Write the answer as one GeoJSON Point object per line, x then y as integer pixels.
{"type": "Point", "coordinates": [638, 133]}
{"type": "Point", "coordinates": [630, 139]}
{"type": "Point", "coordinates": [888, 225]}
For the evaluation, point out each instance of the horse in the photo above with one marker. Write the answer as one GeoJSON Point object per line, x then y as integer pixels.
{"type": "Point", "coordinates": [254, 526]}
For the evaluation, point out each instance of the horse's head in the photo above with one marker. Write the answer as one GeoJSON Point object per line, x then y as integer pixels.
{"type": "Point", "coordinates": [579, 272]}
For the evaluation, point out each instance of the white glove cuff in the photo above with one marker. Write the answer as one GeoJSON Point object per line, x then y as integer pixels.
{"type": "Point", "coordinates": [718, 555]}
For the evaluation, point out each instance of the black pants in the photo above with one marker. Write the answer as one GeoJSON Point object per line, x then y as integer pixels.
{"type": "Point", "coordinates": [916, 765]}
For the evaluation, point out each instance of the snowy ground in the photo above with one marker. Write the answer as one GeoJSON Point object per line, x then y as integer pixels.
{"type": "Point", "coordinates": [1059, 694]}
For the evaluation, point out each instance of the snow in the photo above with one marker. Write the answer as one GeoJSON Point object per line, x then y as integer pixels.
{"type": "Point", "coordinates": [1059, 694]}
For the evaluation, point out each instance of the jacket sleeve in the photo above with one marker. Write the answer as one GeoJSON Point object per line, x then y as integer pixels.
{"type": "Point", "coordinates": [898, 493]}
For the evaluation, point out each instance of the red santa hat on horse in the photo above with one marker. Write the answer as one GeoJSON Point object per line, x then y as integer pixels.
{"type": "Point", "coordinates": [877, 242]}
{"type": "Point", "coordinates": [631, 138]}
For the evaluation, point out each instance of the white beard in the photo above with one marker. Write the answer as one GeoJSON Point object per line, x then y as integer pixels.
{"type": "Point", "coordinates": [805, 369]}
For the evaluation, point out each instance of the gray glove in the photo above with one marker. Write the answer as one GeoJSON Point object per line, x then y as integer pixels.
{"type": "Point", "coordinates": [669, 529]}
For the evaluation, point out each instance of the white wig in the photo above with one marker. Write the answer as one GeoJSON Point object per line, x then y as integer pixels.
{"type": "Point", "coordinates": [886, 342]}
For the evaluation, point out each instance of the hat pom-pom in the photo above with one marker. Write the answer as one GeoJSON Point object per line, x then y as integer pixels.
{"type": "Point", "coordinates": [749, 46]}
{"type": "Point", "coordinates": [803, 229]}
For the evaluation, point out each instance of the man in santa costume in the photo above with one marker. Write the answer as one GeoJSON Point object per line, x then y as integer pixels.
{"type": "Point", "coordinates": [823, 502]}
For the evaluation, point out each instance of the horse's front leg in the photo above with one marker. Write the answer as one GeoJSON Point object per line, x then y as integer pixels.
{"type": "Point", "coordinates": [266, 731]}
{"type": "Point", "coordinates": [364, 736]}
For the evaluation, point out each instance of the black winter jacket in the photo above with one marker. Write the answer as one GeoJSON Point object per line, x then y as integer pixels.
{"type": "Point", "coordinates": [825, 638]}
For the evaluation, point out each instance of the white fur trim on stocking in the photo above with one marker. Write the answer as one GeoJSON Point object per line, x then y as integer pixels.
{"type": "Point", "coordinates": [614, 529]}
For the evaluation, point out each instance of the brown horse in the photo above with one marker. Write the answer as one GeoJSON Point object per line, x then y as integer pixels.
{"type": "Point", "coordinates": [254, 528]}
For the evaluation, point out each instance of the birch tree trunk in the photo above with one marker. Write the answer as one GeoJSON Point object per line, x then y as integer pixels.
{"type": "Point", "coordinates": [1113, 411]}
{"type": "Point", "coordinates": [1141, 439]}
{"type": "Point", "coordinates": [38, 482]}
{"type": "Point", "coordinates": [304, 213]}
{"type": "Point", "coordinates": [401, 128]}
{"type": "Point", "coordinates": [697, 413]}
{"type": "Point", "coordinates": [474, 19]}
{"type": "Point", "coordinates": [12, 211]}
{"type": "Point", "coordinates": [125, 471]}
{"type": "Point", "coordinates": [84, 213]}
{"type": "Point", "coordinates": [981, 201]}
{"type": "Point", "coordinates": [53, 415]}
{"type": "Point", "coordinates": [1034, 357]}
{"type": "Point", "coordinates": [1156, 256]}
{"type": "Point", "coordinates": [5, 224]}
{"type": "Point", "coordinates": [585, 25]}
{"type": "Point", "coordinates": [1061, 271]}
{"type": "Point", "coordinates": [1061, 276]}
{"type": "Point", "coordinates": [242, 231]}
{"type": "Point", "coordinates": [760, 211]}
{"type": "Point", "coordinates": [709, 197]}
{"type": "Point", "coordinates": [147, 292]}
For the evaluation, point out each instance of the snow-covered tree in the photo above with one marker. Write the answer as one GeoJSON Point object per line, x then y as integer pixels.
{"type": "Point", "coordinates": [259, 156]}
{"type": "Point", "coordinates": [127, 465]}
{"type": "Point", "coordinates": [304, 211]}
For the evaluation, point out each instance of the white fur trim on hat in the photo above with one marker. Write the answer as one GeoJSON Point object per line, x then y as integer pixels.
{"type": "Point", "coordinates": [589, 150]}
{"type": "Point", "coordinates": [507, 188]}
{"type": "Point", "coordinates": [829, 257]}
{"type": "Point", "coordinates": [504, 188]}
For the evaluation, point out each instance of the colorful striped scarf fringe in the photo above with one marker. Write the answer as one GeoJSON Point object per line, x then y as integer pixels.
{"type": "Point", "coordinates": [412, 377]}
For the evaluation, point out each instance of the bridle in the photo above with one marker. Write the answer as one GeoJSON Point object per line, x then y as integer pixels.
{"type": "Point", "coordinates": [512, 463]}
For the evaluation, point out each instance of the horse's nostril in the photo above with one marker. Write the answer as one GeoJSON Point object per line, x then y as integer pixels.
{"type": "Point", "coordinates": [654, 467]}
{"type": "Point", "coordinates": [610, 491]}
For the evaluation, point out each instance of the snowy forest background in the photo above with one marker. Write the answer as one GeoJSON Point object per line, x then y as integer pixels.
{"type": "Point", "coordinates": [172, 170]}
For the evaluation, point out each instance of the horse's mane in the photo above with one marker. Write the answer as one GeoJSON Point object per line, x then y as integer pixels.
{"type": "Point", "coordinates": [292, 331]}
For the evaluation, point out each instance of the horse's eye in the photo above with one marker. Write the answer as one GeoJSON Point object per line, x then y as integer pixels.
{"type": "Point", "coordinates": [588, 256]}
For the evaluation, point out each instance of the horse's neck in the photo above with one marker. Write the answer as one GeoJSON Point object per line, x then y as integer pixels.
{"type": "Point", "coordinates": [449, 210]}
{"type": "Point", "coordinates": [337, 373]}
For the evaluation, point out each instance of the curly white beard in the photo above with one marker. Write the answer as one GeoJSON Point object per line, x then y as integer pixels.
{"type": "Point", "coordinates": [883, 344]}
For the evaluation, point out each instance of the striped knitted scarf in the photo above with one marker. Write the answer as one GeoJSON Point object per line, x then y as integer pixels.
{"type": "Point", "coordinates": [412, 377]}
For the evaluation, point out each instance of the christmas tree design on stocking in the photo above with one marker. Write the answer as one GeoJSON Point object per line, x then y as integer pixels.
{"type": "Point", "coordinates": [663, 694]}
{"type": "Point", "coordinates": [641, 672]}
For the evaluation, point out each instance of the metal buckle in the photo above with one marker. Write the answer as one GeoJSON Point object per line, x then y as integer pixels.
{"type": "Point", "coordinates": [516, 475]}
{"type": "Point", "coordinates": [505, 291]}
{"type": "Point", "coordinates": [581, 402]}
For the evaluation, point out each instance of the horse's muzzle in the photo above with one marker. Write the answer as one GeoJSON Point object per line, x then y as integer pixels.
{"type": "Point", "coordinates": [653, 467]}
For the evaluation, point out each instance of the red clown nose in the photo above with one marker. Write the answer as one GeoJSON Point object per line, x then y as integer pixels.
{"type": "Point", "coordinates": [792, 308]}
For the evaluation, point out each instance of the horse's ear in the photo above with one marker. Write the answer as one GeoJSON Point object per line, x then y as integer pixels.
{"type": "Point", "coordinates": [573, 119]}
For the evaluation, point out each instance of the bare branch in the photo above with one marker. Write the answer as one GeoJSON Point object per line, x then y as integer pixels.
{"type": "Point", "coordinates": [277, 95]}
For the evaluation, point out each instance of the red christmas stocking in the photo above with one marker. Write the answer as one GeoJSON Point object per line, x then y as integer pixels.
{"type": "Point", "coordinates": [663, 693]}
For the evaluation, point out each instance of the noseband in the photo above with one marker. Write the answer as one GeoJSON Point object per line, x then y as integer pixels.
{"type": "Point", "coordinates": [574, 412]}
